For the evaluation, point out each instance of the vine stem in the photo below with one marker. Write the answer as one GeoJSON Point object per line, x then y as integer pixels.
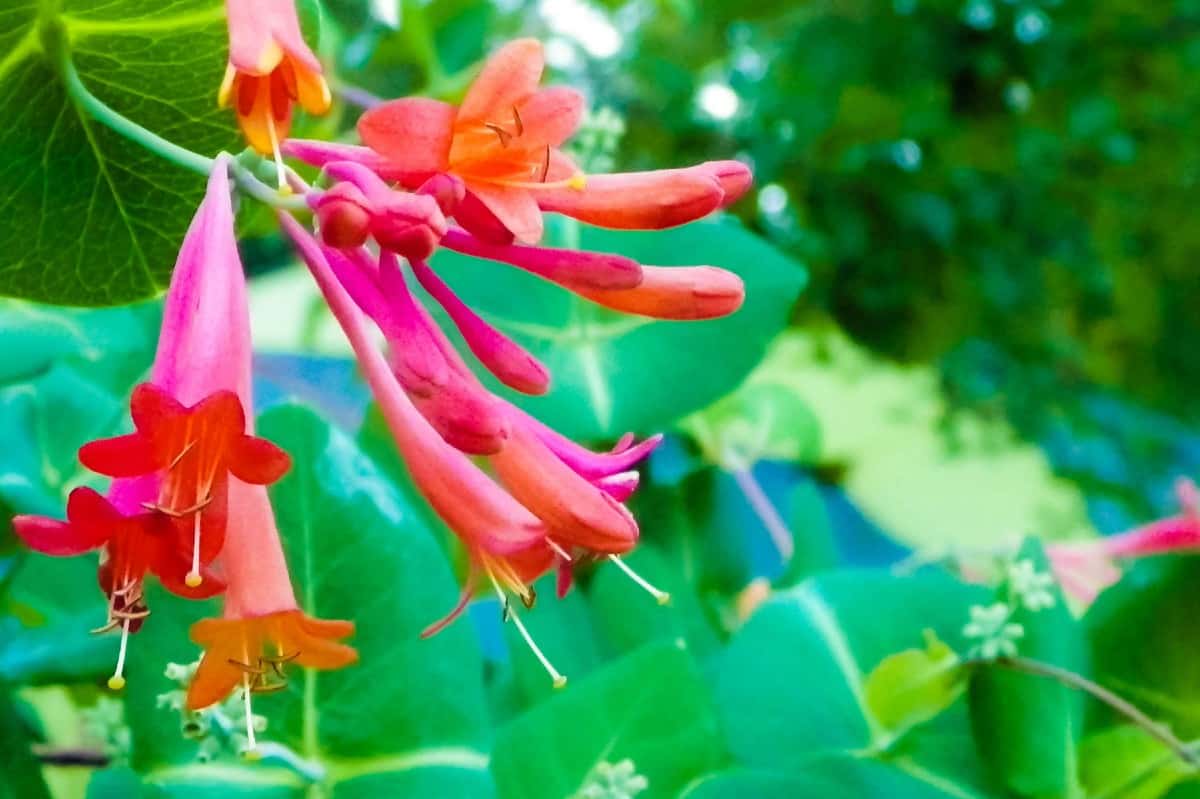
{"type": "Point", "coordinates": [98, 110]}
{"type": "Point", "coordinates": [763, 508]}
{"type": "Point", "coordinates": [1101, 694]}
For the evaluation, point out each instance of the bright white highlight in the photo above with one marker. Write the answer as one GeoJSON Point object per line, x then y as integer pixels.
{"type": "Point", "coordinates": [719, 101]}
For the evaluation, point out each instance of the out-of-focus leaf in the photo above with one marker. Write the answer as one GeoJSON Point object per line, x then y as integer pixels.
{"type": "Point", "coordinates": [357, 552]}
{"type": "Point", "coordinates": [804, 656]}
{"type": "Point", "coordinates": [1126, 761]}
{"type": "Point", "coordinates": [91, 217]}
{"type": "Point", "coordinates": [650, 708]}
{"type": "Point", "coordinates": [1143, 634]}
{"type": "Point", "coordinates": [911, 687]}
{"type": "Point", "coordinates": [20, 771]}
{"type": "Point", "coordinates": [931, 479]}
{"type": "Point", "coordinates": [631, 371]}
{"type": "Point", "coordinates": [1028, 726]}
{"type": "Point", "coordinates": [760, 421]}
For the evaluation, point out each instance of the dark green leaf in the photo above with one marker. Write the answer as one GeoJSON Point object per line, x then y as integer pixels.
{"type": "Point", "coordinates": [92, 218]}
{"type": "Point", "coordinates": [650, 708]}
{"type": "Point", "coordinates": [1027, 726]}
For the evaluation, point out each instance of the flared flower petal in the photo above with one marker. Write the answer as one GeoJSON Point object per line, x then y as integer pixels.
{"type": "Point", "coordinates": [250, 652]}
{"type": "Point", "coordinates": [412, 135]}
{"type": "Point", "coordinates": [270, 68]}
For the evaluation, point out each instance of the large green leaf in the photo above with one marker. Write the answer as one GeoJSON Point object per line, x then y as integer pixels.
{"type": "Point", "coordinates": [90, 217]}
{"type": "Point", "coordinates": [20, 772]}
{"type": "Point", "coordinates": [791, 687]}
{"type": "Point", "coordinates": [930, 478]}
{"type": "Point", "coordinates": [651, 708]}
{"type": "Point", "coordinates": [612, 372]}
{"type": "Point", "coordinates": [409, 716]}
{"type": "Point", "coordinates": [63, 383]}
{"type": "Point", "coordinates": [1144, 637]}
{"type": "Point", "coordinates": [1028, 726]}
{"type": "Point", "coordinates": [1129, 763]}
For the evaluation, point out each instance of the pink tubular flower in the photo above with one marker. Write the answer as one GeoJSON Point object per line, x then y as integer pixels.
{"type": "Point", "coordinates": [270, 67]}
{"type": "Point", "coordinates": [562, 499]}
{"type": "Point", "coordinates": [503, 143]}
{"type": "Point", "coordinates": [1086, 568]}
{"type": "Point", "coordinates": [168, 504]}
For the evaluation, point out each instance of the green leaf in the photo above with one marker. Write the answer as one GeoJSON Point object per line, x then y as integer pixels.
{"type": "Point", "coordinates": [651, 708]}
{"type": "Point", "coordinates": [930, 479]}
{"type": "Point", "coordinates": [1144, 637]}
{"type": "Point", "coordinates": [762, 420]}
{"type": "Point", "coordinates": [791, 688]}
{"type": "Point", "coordinates": [1028, 726]}
{"type": "Point", "coordinates": [1127, 762]}
{"type": "Point", "coordinates": [20, 772]}
{"type": "Point", "coordinates": [837, 776]}
{"type": "Point", "coordinates": [629, 370]}
{"type": "Point", "coordinates": [92, 218]}
{"type": "Point", "coordinates": [409, 715]}
{"type": "Point", "coordinates": [911, 687]}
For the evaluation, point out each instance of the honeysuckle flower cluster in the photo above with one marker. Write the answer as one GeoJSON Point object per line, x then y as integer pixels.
{"type": "Point", "coordinates": [187, 501]}
{"type": "Point", "coordinates": [477, 179]}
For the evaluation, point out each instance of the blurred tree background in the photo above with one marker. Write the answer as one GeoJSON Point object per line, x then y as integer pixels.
{"type": "Point", "coordinates": [999, 188]}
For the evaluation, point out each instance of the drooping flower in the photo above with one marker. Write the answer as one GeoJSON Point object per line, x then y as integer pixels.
{"type": "Point", "coordinates": [189, 452]}
{"type": "Point", "coordinates": [503, 144]}
{"type": "Point", "coordinates": [262, 628]}
{"type": "Point", "coordinates": [166, 511]}
{"type": "Point", "coordinates": [1086, 568]}
{"type": "Point", "coordinates": [270, 68]}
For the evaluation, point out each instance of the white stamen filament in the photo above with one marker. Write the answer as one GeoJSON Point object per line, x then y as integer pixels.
{"type": "Point", "coordinates": [280, 173]}
{"type": "Point", "coordinates": [562, 553]}
{"type": "Point", "coordinates": [661, 596]}
{"type": "Point", "coordinates": [251, 743]}
{"type": "Point", "coordinates": [117, 681]}
{"type": "Point", "coordinates": [193, 578]}
{"type": "Point", "coordinates": [511, 614]}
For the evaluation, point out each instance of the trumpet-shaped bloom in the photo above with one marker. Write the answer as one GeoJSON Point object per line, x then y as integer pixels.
{"type": "Point", "coordinates": [262, 628]}
{"type": "Point", "coordinates": [503, 143]}
{"type": "Point", "coordinates": [270, 68]}
{"type": "Point", "coordinates": [190, 453]}
{"type": "Point", "coordinates": [167, 510]}
{"type": "Point", "coordinates": [562, 499]}
{"type": "Point", "coordinates": [1087, 568]}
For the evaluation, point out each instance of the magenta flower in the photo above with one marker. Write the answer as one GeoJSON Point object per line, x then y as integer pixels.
{"type": "Point", "coordinates": [1086, 568]}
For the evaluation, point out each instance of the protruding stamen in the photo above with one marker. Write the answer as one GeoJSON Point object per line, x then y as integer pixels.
{"type": "Point", "coordinates": [562, 553]}
{"type": "Point", "coordinates": [251, 743]}
{"type": "Point", "coordinates": [661, 596]}
{"type": "Point", "coordinates": [280, 172]}
{"type": "Point", "coordinates": [193, 578]}
{"type": "Point", "coordinates": [517, 123]}
{"type": "Point", "coordinates": [117, 681]}
{"type": "Point", "coordinates": [511, 615]}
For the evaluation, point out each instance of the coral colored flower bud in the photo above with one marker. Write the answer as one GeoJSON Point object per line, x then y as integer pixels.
{"type": "Point", "coordinates": [410, 225]}
{"type": "Point", "coordinates": [343, 214]}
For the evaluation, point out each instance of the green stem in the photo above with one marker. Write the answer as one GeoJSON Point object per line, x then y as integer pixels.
{"type": "Point", "coordinates": [1101, 694]}
{"type": "Point", "coordinates": [127, 127]}
{"type": "Point", "coordinates": [98, 110]}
